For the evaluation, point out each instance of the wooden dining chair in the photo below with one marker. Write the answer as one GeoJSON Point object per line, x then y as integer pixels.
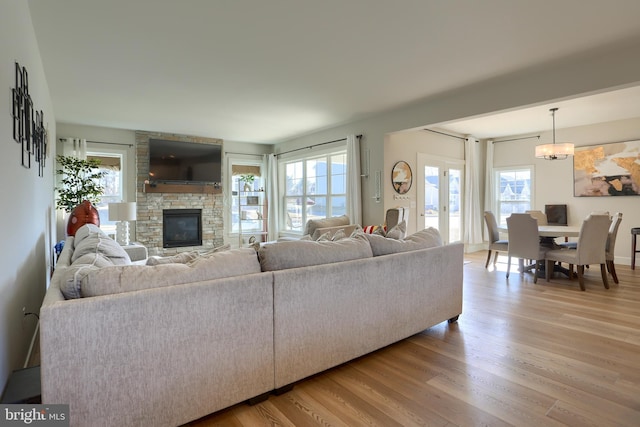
{"type": "Point", "coordinates": [591, 249]}
{"type": "Point", "coordinates": [495, 244]}
{"type": "Point", "coordinates": [524, 242]}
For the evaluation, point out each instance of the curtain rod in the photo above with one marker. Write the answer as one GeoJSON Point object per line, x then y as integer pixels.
{"type": "Point", "coordinates": [102, 142]}
{"type": "Point", "coordinates": [316, 145]}
{"type": "Point", "coordinates": [516, 139]}
{"type": "Point", "coordinates": [446, 134]}
{"type": "Point", "coordinates": [243, 154]}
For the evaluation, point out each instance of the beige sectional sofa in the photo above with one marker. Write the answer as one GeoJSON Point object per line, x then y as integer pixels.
{"type": "Point", "coordinates": [163, 345]}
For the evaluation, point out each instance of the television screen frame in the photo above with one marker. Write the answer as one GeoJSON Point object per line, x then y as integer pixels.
{"type": "Point", "coordinates": [184, 162]}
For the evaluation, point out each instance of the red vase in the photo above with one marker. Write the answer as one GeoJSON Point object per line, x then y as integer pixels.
{"type": "Point", "coordinates": [84, 213]}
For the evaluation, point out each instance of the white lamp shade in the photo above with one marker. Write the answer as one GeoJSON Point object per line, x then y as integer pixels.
{"type": "Point", "coordinates": [551, 151]}
{"type": "Point", "coordinates": [124, 211]}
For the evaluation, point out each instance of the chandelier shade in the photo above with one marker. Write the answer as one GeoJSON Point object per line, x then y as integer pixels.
{"type": "Point", "coordinates": [554, 151]}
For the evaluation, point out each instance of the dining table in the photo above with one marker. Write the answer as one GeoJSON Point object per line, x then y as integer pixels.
{"type": "Point", "coordinates": [548, 234]}
{"type": "Point", "coordinates": [553, 230]}
{"type": "Point", "coordinates": [558, 230]}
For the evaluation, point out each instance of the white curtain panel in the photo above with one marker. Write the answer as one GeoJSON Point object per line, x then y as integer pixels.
{"type": "Point", "coordinates": [271, 194]}
{"type": "Point", "coordinates": [74, 147]}
{"type": "Point", "coordinates": [354, 198]}
{"type": "Point", "coordinates": [472, 221]}
{"type": "Point", "coordinates": [488, 181]}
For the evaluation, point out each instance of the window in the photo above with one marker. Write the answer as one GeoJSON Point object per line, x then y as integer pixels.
{"type": "Point", "coordinates": [112, 181]}
{"type": "Point", "coordinates": [314, 187]}
{"type": "Point", "coordinates": [513, 192]}
{"type": "Point", "coordinates": [246, 211]}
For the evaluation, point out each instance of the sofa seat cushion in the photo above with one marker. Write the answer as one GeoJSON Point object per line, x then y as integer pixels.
{"type": "Point", "coordinates": [427, 238]}
{"type": "Point", "coordinates": [302, 253]}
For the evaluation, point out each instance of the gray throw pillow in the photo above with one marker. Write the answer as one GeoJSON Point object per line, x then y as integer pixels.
{"type": "Point", "coordinates": [90, 239]}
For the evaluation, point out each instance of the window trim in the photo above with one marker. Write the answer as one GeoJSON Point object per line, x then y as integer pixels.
{"type": "Point", "coordinates": [326, 151]}
{"type": "Point", "coordinates": [496, 204]}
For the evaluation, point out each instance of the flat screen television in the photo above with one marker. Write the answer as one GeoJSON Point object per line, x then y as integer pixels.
{"type": "Point", "coordinates": [184, 162]}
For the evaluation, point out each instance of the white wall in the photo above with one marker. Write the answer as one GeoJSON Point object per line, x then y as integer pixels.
{"type": "Point", "coordinates": [554, 179]}
{"type": "Point", "coordinates": [26, 217]}
{"type": "Point", "coordinates": [406, 146]}
{"type": "Point", "coordinates": [569, 77]}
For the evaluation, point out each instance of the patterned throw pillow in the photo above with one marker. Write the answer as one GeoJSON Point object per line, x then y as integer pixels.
{"type": "Point", "coordinates": [324, 237]}
{"type": "Point", "coordinates": [340, 234]}
{"type": "Point", "coordinates": [375, 229]}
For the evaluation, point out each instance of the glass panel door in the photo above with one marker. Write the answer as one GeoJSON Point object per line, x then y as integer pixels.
{"type": "Point", "coordinates": [431, 197]}
{"type": "Point", "coordinates": [455, 205]}
{"type": "Point", "coordinates": [440, 196]}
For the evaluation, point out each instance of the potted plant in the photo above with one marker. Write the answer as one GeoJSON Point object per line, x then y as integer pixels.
{"type": "Point", "coordinates": [248, 181]}
{"type": "Point", "coordinates": [80, 181]}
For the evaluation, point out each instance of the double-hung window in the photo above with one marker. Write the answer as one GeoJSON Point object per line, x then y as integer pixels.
{"type": "Point", "coordinates": [315, 186]}
{"type": "Point", "coordinates": [513, 192]}
{"type": "Point", "coordinates": [112, 182]}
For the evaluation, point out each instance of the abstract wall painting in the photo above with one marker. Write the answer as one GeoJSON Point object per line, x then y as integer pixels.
{"type": "Point", "coordinates": [607, 170]}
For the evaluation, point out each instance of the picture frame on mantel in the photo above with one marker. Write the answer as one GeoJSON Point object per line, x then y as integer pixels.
{"type": "Point", "coordinates": [607, 170]}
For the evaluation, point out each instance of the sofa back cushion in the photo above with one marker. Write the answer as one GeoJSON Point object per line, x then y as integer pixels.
{"type": "Point", "coordinates": [117, 279]}
{"type": "Point", "coordinates": [302, 253]}
{"type": "Point", "coordinates": [427, 238]}
{"type": "Point", "coordinates": [312, 224]}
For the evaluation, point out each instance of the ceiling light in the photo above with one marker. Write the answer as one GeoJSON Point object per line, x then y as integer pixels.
{"type": "Point", "coordinates": [559, 151]}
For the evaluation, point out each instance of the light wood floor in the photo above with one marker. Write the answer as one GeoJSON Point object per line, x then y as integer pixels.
{"type": "Point", "coordinates": [522, 354]}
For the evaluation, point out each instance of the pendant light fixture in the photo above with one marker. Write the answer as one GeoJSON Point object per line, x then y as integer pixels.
{"type": "Point", "coordinates": [559, 151]}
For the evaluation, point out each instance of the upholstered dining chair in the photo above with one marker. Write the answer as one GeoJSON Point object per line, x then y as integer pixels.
{"type": "Point", "coordinates": [591, 249]}
{"type": "Point", "coordinates": [540, 216]}
{"type": "Point", "coordinates": [611, 245]}
{"type": "Point", "coordinates": [524, 242]}
{"type": "Point", "coordinates": [495, 244]}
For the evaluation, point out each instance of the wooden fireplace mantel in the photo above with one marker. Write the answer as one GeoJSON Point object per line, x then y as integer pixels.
{"type": "Point", "coordinates": [182, 188]}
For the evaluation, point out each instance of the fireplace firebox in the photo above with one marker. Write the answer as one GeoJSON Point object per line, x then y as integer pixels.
{"type": "Point", "coordinates": [181, 227]}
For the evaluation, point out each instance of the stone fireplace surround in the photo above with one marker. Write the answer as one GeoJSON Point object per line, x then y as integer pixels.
{"type": "Point", "coordinates": [150, 205]}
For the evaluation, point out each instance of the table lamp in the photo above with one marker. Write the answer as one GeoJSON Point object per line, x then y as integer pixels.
{"type": "Point", "coordinates": [122, 213]}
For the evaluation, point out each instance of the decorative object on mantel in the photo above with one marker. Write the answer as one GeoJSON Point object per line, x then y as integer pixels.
{"type": "Point", "coordinates": [607, 170]}
{"type": "Point", "coordinates": [28, 125]}
{"type": "Point", "coordinates": [80, 181]}
{"type": "Point", "coordinates": [122, 212]}
{"type": "Point", "coordinates": [553, 151]}
{"type": "Point", "coordinates": [248, 181]}
{"type": "Point", "coordinates": [401, 177]}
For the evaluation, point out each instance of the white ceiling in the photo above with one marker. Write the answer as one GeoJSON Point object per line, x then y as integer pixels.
{"type": "Point", "coordinates": [604, 107]}
{"type": "Point", "coordinates": [267, 71]}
